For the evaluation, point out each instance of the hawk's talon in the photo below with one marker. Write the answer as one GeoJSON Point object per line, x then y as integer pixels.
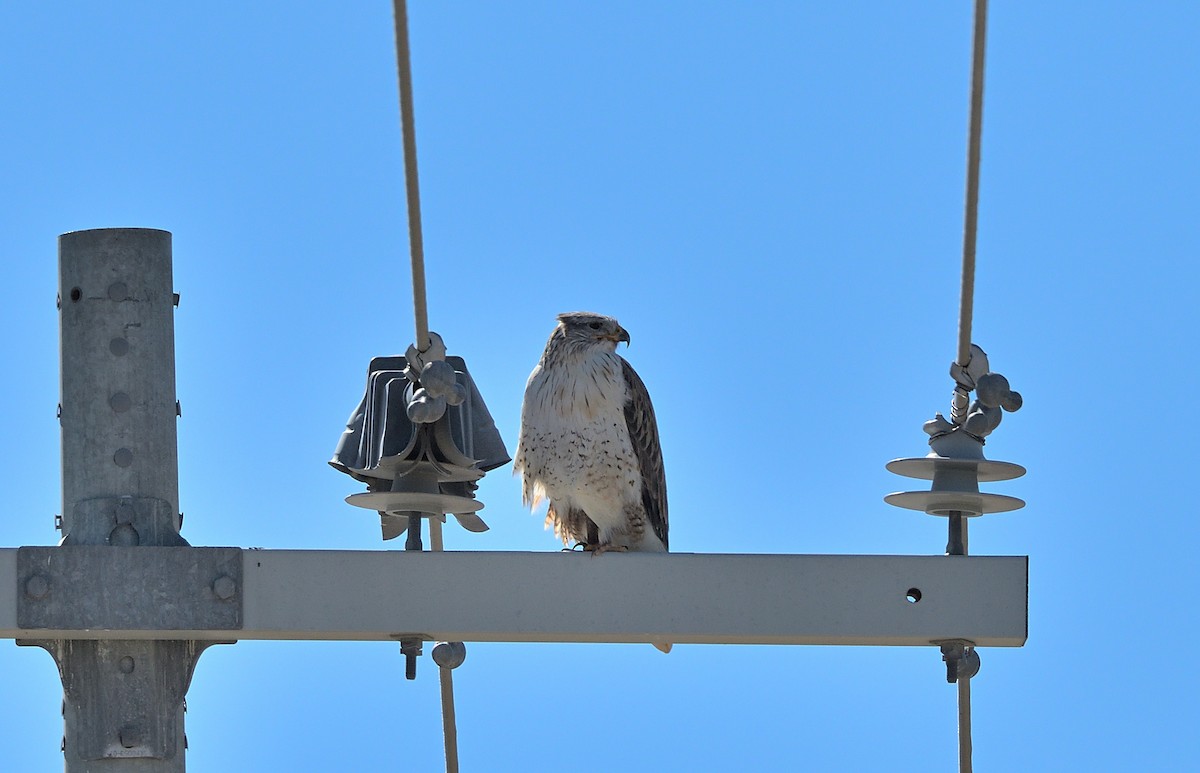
{"type": "Point", "coordinates": [596, 550]}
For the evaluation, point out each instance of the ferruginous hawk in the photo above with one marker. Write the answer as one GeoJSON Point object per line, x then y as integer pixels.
{"type": "Point", "coordinates": [589, 442]}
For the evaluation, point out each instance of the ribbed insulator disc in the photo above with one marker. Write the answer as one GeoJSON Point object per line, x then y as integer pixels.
{"type": "Point", "coordinates": [410, 501]}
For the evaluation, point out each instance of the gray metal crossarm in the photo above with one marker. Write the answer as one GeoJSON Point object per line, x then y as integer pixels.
{"type": "Point", "coordinates": [546, 597]}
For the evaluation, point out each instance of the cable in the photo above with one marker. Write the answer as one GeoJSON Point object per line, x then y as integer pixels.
{"type": "Point", "coordinates": [966, 309]}
{"type": "Point", "coordinates": [445, 675]}
{"type": "Point", "coordinates": [449, 728]}
{"type": "Point", "coordinates": [435, 534]}
{"type": "Point", "coordinates": [966, 304]}
{"type": "Point", "coordinates": [964, 726]}
{"type": "Point", "coordinates": [420, 309]}
{"type": "Point", "coordinates": [411, 187]}
{"type": "Point", "coordinates": [971, 218]}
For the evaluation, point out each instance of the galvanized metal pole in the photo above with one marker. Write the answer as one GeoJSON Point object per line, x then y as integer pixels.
{"type": "Point", "coordinates": [117, 354]}
{"type": "Point", "coordinates": [123, 699]}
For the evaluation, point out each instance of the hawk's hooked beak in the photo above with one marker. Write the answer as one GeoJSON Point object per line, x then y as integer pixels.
{"type": "Point", "coordinates": [617, 337]}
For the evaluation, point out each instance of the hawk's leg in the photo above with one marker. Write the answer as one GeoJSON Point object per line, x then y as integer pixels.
{"type": "Point", "coordinates": [592, 544]}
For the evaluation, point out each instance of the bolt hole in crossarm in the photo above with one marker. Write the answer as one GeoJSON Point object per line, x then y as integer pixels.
{"type": "Point", "coordinates": [913, 595]}
{"type": "Point", "coordinates": [76, 294]}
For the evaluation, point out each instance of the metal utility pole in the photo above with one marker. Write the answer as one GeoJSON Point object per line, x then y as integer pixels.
{"type": "Point", "coordinates": [122, 699]}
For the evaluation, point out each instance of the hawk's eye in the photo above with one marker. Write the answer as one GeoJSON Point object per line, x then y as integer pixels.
{"type": "Point", "coordinates": [594, 325]}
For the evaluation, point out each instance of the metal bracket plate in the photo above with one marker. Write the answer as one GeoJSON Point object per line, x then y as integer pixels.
{"type": "Point", "coordinates": [123, 522]}
{"type": "Point", "coordinates": [74, 587]}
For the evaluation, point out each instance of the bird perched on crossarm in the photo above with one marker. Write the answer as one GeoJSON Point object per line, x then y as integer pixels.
{"type": "Point", "coordinates": [589, 441]}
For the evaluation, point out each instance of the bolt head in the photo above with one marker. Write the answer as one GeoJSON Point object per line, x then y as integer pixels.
{"type": "Point", "coordinates": [36, 587]}
{"type": "Point", "coordinates": [125, 535]}
{"type": "Point", "coordinates": [224, 587]}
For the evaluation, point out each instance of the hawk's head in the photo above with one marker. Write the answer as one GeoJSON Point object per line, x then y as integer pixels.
{"type": "Point", "coordinates": [584, 329]}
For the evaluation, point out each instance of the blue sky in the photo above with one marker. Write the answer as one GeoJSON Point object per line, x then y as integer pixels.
{"type": "Point", "coordinates": [769, 197]}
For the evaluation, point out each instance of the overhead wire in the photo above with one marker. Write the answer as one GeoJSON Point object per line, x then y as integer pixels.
{"type": "Point", "coordinates": [966, 311]}
{"type": "Point", "coordinates": [971, 216]}
{"type": "Point", "coordinates": [411, 184]}
{"type": "Point", "coordinates": [420, 311]}
{"type": "Point", "coordinates": [964, 726]}
{"type": "Point", "coordinates": [445, 675]}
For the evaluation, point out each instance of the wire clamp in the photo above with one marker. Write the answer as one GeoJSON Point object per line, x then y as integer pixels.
{"type": "Point", "coordinates": [962, 661]}
{"type": "Point", "coordinates": [449, 654]}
